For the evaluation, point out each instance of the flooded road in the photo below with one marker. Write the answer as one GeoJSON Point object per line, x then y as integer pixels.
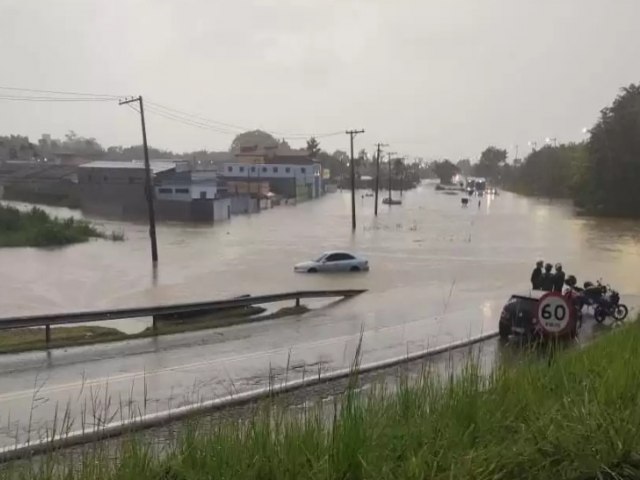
{"type": "Point", "coordinates": [439, 273]}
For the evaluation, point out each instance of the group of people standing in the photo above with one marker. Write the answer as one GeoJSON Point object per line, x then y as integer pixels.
{"type": "Point", "coordinates": [545, 278]}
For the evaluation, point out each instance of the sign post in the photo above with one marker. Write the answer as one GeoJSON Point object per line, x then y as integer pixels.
{"type": "Point", "coordinates": [556, 314]}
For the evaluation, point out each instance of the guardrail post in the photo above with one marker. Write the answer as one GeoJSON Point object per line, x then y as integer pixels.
{"type": "Point", "coordinates": [154, 324]}
{"type": "Point", "coordinates": [298, 302]}
{"type": "Point", "coordinates": [47, 334]}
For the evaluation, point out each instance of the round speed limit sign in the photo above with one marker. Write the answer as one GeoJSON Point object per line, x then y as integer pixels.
{"type": "Point", "coordinates": [555, 313]}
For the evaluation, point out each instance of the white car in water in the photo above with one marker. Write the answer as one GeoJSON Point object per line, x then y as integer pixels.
{"type": "Point", "coordinates": [334, 262]}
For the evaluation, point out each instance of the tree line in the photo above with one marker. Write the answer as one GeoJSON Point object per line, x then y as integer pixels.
{"type": "Point", "coordinates": [600, 174]}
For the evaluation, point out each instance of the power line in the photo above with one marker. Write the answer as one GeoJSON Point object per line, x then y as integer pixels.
{"type": "Point", "coordinates": [54, 99]}
{"type": "Point", "coordinates": [59, 92]}
{"type": "Point", "coordinates": [189, 122]}
{"type": "Point", "coordinates": [196, 116]}
{"type": "Point", "coordinates": [205, 122]}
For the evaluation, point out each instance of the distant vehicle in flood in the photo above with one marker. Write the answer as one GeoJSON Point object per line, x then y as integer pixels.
{"type": "Point", "coordinates": [391, 201]}
{"type": "Point", "coordinates": [334, 262]}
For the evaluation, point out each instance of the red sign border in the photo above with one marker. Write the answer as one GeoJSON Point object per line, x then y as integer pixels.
{"type": "Point", "coordinates": [572, 314]}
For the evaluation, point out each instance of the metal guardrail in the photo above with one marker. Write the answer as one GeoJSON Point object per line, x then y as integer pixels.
{"type": "Point", "coordinates": [53, 442]}
{"type": "Point", "coordinates": [54, 319]}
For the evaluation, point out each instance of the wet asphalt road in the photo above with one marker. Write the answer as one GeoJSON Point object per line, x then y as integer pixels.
{"type": "Point", "coordinates": [439, 273]}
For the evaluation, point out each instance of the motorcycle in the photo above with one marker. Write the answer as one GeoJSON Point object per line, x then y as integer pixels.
{"type": "Point", "coordinates": [609, 306]}
{"type": "Point", "coordinates": [604, 301]}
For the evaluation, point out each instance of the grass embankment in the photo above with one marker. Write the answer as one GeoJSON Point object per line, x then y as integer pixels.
{"type": "Point", "coordinates": [573, 416]}
{"type": "Point", "coordinates": [35, 228]}
{"type": "Point", "coordinates": [26, 339]}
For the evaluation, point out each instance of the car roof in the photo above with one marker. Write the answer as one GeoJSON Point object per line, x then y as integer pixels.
{"type": "Point", "coordinates": [331, 252]}
{"type": "Point", "coordinates": [530, 295]}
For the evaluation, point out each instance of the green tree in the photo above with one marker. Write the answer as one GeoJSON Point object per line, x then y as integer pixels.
{"type": "Point", "coordinates": [257, 138]}
{"type": "Point", "coordinates": [313, 147]}
{"type": "Point", "coordinates": [491, 160]}
{"type": "Point", "coordinates": [555, 172]}
{"type": "Point", "coordinates": [612, 176]}
{"type": "Point", "coordinates": [464, 166]}
{"type": "Point", "coordinates": [444, 170]}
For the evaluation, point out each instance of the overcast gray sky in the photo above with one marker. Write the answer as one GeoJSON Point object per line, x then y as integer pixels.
{"type": "Point", "coordinates": [434, 78]}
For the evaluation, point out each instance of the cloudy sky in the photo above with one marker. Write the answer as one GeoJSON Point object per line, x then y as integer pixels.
{"type": "Point", "coordinates": [433, 78]}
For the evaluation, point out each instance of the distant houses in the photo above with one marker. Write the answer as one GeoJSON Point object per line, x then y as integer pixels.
{"type": "Point", "coordinates": [291, 174]}
{"type": "Point", "coordinates": [255, 178]}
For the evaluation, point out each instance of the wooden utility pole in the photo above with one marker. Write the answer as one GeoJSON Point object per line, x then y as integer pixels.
{"type": "Point", "coordinates": [148, 186]}
{"type": "Point", "coordinates": [353, 133]}
{"type": "Point", "coordinates": [389, 156]}
{"type": "Point", "coordinates": [379, 146]}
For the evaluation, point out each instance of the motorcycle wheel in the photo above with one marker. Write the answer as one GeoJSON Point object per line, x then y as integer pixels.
{"type": "Point", "coordinates": [599, 314]}
{"type": "Point", "coordinates": [621, 311]}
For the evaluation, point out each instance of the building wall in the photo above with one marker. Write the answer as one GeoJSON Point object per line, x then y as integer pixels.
{"type": "Point", "coordinates": [180, 192]}
{"type": "Point", "coordinates": [221, 209]}
{"type": "Point", "coordinates": [243, 204]}
{"type": "Point", "coordinates": [283, 178]}
{"type": "Point", "coordinates": [185, 193]}
{"type": "Point", "coordinates": [210, 191]}
{"type": "Point", "coordinates": [198, 210]}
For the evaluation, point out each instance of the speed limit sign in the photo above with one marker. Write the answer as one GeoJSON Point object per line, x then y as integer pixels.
{"type": "Point", "coordinates": [555, 313]}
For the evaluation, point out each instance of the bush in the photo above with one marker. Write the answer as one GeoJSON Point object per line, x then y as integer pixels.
{"type": "Point", "coordinates": [36, 228]}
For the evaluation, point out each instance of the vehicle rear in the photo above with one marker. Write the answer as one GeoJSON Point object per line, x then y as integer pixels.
{"type": "Point", "coordinates": [518, 315]}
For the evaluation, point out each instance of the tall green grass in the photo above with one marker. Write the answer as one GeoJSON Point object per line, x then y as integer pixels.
{"type": "Point", "coordinates": [573, 415]}
{"type": "Point", "coordinates": [35, 228]}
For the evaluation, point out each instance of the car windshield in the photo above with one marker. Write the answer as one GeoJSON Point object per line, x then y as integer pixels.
{"type": "Point", "coordinates": [320, 258]}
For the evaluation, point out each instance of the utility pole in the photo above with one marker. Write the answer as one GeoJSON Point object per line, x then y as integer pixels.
{"type": "Point", "coordinates": [379, 146]}
{"type": "Point", "coordinates": [147, 184]}
{"type": "Point", "coordinates": [353, 133]}
{"type": "Point", "coordinates": [389, 157]}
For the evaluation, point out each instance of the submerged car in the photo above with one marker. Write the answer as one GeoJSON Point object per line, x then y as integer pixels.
{"type": "Point", "coordinates": [334, 262]}
{"type": "Point", "coordinates": [519, 316]}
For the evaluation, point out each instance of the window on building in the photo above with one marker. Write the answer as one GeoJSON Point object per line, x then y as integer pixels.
{"type": "Point", "coordinates": [105, 178]}
{"type": "Point", "coordinates": [264, 169]}
{"type": "Point", "coordinates": [229, 168]}
{"type": "Point", "coordinates": [253, 169]}
{"type": "Point", "coordinates": [182, 190]}
{"type": "Point", "coordinates": [203, 195]}
{"type": "Point", "coordinates": [241, 169]}
{"type": "Point", "coordinates": [303, 170]}
{"type": "Point", "coordinates": [275, 169]}
{"type": "Point", "coordinates": [287, 170]}
{"type": "Point", "coordinates": [165, 190]}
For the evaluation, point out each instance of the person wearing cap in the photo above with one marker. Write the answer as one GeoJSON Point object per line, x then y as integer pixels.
{"type": "Point", "coordinates": [536, 276]}
{"type": "Point", "coordinates": [547, 281]}
{"type": "Point", "coordinates": [558, 278]}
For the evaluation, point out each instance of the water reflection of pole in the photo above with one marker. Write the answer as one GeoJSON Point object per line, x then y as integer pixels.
{"type": "Point", "coordinates": [147, 178]}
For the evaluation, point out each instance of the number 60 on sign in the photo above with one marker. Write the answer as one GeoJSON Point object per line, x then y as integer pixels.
{"type": "Point", "coordinates": [555, 313]}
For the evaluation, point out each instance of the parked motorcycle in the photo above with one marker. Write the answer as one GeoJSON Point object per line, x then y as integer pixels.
{"type": "Point", "coordinates": [604, 301]}
{"type": "Point", "coordinates": [609, 306]}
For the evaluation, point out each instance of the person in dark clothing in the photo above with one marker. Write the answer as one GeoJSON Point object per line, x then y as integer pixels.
{"type": "Point", "coordinates": [536, 276]}
{"type": "Point", "coordinates": [558, 278]}
{"type": "Point", "coordinates": [548, 278]}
